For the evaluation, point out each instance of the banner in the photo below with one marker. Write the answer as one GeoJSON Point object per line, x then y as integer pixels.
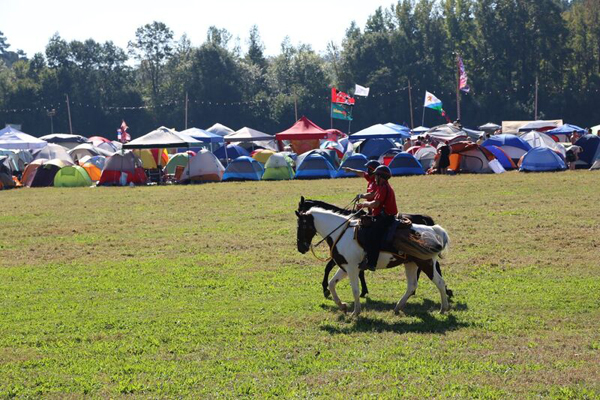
{"type": "Point", "coordinates": [341, 97]}
{"type": "Point", "coordinates": [463, 85]}
{"type": "Point", "coordinates": [341, 111]}
{"type": "Point", "coordinates": [361, 90]}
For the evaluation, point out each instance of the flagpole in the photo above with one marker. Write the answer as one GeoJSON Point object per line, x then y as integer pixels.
{"type": "Point", "coordinates": [69, 112]}
{"type": "Point", "coordinates": [186, 110]}
{"type": "Point", "coordinates": [536, 99]}
{"type": "Point", "coordinates": [412, 124]}
{"type": "Point", "coordinates": [457, 88]}
{"type": "Point", "coordinates": [423, 120]}
{"type": "Point", "coordinates": [295, 105]}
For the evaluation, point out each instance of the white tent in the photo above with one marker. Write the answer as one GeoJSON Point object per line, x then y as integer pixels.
{"type": "Point", "coordinates": [220, 130]}
{"type": "Point", "coordinates": [204, 166]}
{"type": "Point", "coordinates": [52, 152]}
{"type": "Point", "coordinates": [538, 139]}
{"type": "Point", "coordinates": [11, 138]}
{"type": "Point", "coordinates": [88, 149]}
{"type": "Point", "coordinates": [162, 138]}
{"type": "Point", "coordinates": [252, 135]}
{"type": "Point", "coordinates": [426, 156]}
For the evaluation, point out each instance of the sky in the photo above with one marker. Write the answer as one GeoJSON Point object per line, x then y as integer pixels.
{"type": "Point", "coordinates": [29, 24]}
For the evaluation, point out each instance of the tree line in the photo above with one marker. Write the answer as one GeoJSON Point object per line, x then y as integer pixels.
{"type": "Point", "coordinates": [505, 44]}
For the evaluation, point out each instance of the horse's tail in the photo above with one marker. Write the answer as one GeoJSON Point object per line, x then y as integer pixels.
{"type": "Point", "coordinates": [444, 239]}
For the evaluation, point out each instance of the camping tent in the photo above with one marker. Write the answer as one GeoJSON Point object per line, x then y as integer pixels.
{"type": "Point", "coordinates": [252, 136]}
{"type": "Point", "coordinates": [65, 139]}
{"type": "Point", "coordinates": [425, 155]}
{"type": "Point", "coordinates": [355, 161]}
{"type": "Point", "coordinates": [12, 161]}
{"type": "Point", "coordinates": [243, 169]}
{"type": "Point", "coordinates": [72, 176]}
{"type": "Point", "coordinates": [262, 155]}
{"type": "Point", "coordinates": [503, 158]}
{"type": "Point", "coordinates": [278, 167]}
{"type": "Point", "coordinates": [330, 155]}
{"type": "Point", "coordinates": [53, 151]}
{"type": "Point", "coordinates": [405, 164]}
{"type": "Point", "coordinates": [446, 133]}
{"type": "Point", "coordinates": [162, 138]}
{"type": "Point", "coordinates": [490, 127]}
{"type": "Point", "coordinates": [152, 158]}
{"type": "Point", "coordinates": [315, 166]}
{"type": "Point", "coordinates": [380, 131]}
{"type": "Point", "coordinates": [98, 140]}
{"type": "Point", "coordinates": [122, 169]}
{"type": "Point", "coordinates": [539, 139]}
{"type": "Point", "coordinates": [542, 159]}
{"type": "Point", "coordinates": [92, 170]}
{"type": "Point", "coordinates": [11, 138]}
{"type": "Point", "coordinates": [178, 160]}
{"type": "Point", "coordinates": [387, 157]}
{"type": "Point", "coordinates": [219, 129]}
{"type": "Point", "coordinates": [45, 173]}
{"type": "Point", "coordinates": [88, 149]}
{"type": "Point", "coordinates": [591, 150]}
{"type": "Point", "coordinates": [514, 126]}
{"type": "Point", "coordinates": [203, 167]}
{"type": "Point", "coordinates": [304, 135]}
{"type": "Point", "coordinates": [374, 148]}
{"type": "Point", "coordinates": [470, 157]}
{"type": "Point", "coordinates": [231, 152]}
{"type": "Point", "coordinates": [512, 145]}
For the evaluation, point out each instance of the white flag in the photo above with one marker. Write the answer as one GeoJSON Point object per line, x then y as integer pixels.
{"type": "Point", "coordinates": [361, 90]}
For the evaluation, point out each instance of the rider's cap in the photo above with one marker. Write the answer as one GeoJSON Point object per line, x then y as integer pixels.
{"type": "Point", "coordinates": [383, 171]}
{"type": "Point", "coordinates": [372, 165]}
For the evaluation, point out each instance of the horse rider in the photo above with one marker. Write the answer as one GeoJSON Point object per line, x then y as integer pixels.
{"type": "Point", "coordinates": [369, 176]}
{"type": "Point", "coordinates": [384, 210]}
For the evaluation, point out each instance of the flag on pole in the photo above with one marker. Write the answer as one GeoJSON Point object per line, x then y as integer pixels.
{"type": "Point", "coordinates": [361, 90]}
{"type": "Point", "coordinates": [341, 97]}
{"type": "Point", "coordinates": [122, 135]}
{"type": "Point", "coordinates": [341, 111]}
{"type": "Point", "coordinates": [433, 102]}
{"type": "Point", "coordinates": [463, 85]}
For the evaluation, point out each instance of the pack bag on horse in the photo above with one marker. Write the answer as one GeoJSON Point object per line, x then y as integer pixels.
{"type": "Point", "coordinates": [347, 253]}
{"type": "Point", "coordinates": [306, 204]}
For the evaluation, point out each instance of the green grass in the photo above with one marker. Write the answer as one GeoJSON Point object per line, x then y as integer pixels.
{"type": "Point", "coordinates": [198, 291]}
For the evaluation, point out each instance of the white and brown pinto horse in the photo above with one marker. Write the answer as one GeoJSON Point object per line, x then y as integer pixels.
{"type": "Point", "coordinates": [348, 253]}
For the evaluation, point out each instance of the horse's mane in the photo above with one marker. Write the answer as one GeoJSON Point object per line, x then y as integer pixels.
{"type": "Point", "coordinates": [308, 204]}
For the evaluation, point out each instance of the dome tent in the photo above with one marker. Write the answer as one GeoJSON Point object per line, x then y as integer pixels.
{"type": "Point", "coordinates": [539, 139]}
{"type": "Point", "coordinates": [178, 160]}
{"type": "Point", "coordinates": [512, 145]}
{"type": "Point", "coordinates": [405, 164]}
{"type": "Point", "coordinates": [278, 167]}
{"type": "Point", "coordinates": [470, 157]}
{"type": "Point", "coordinates": [591, 150]}
{"type": "Point", "coordinates": [315, 166]}
{"type": "Point", "coordinates": [122, 169]}
{"type": "Point", "coordinates": [203, 167]}
{"type": "Point", "coordinates": [542, 159]}
{"type": "Point", "coordinates": [503, 158]}
{"type": "Point", "coordinates": [72, 176]}
{"type": "Point", "coordinates": [243, 169]}
{"type": "Point", "coordinates": [355, 161]}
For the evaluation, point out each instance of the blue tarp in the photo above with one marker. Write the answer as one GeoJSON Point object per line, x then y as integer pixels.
{"type": "Point", "coordinates": [315, 166]}
{"type": "Point", "coordinates": [566, 129]}
{"type": "Point", "coordinates": [405, 164]}
{"type": "Point", "coordinates": [355, 161]}
{"type": "Point", "coordinates": [542, 159]}
{"type": "Point", "coordinates": [507, 139]}
{"type": "Point", "coordinates": [244, 169]}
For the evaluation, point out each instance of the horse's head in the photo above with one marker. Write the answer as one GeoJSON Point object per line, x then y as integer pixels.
{"type": "Point", "coordinates": [306, 230]}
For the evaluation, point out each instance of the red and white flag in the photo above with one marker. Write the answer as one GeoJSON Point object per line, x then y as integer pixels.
{"type": "Point", "coordinates": [122, 135]}
{"type": "Point", "coordinates": [463, 85]}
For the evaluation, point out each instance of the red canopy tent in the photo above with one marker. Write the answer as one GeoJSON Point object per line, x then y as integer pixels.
{"type": "Point", "coordinates": [304, 135]}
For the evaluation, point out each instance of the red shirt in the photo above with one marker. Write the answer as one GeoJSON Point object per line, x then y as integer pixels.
{"type": "Point", "coordinates": [371, 185]}
{"type": "Point", "coordinates": [387, 199]}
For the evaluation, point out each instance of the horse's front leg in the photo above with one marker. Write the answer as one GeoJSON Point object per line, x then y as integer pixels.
{"type": "Point", "coordinates": [325, 282]}
{"type": "Point", "coordinates": [339, 275]}
{"type": "Point", "coordinates": [410, 270]}
{"type": "Point", "coordinates": [353, 275]}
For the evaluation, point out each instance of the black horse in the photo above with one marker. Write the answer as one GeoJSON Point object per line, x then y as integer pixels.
{"type": "Point", "coordinates": [414, 218]}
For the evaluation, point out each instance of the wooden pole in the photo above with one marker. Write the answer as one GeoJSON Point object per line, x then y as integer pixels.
{"type": "Point", "coordinates": [412, 123]}
{"type": "Point", "coordinates": [69, 113]}
{"type": "Point", "coordinates": [186, 110]}
{"type": "Point", "coordinates": [295, 105]}
{"type": "Point", "coordinates": [535, 117]}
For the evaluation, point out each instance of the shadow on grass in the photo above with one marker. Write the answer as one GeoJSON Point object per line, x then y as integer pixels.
{"type": "Point", "coordinates": [426, 321]}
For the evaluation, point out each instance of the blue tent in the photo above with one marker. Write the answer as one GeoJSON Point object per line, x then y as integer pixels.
{"type": "Point", "coordinates": [380, 131]}
{"type": "Point", "coordinates": [244, 169]}
{"type": "Point", "coordinates": [374, 148]}
{"type": "Point", "coordinates": [502, 157]}
{"type": "Point", "coordinates": [507, 139]}
{"type": "Point", "coordinates": [591, 148]}
{"type": "Point", "coordinates": [405, 164]}
{"type": "Point", "coordinates": [315, 166]}
{"type": "Point", "coordinates": [233, 152]}
{"type": "Point", "coordinates": [566, 129]}
{"type": "Point", "coordinates": [542, 159]}
{"type": "Point", "coordinates": [355, 161]}
{"type": "Point", "coordinates": [330, 155]}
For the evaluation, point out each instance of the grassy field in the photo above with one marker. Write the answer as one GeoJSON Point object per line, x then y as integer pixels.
{"type": "Point", "coordinates": [198, 291]}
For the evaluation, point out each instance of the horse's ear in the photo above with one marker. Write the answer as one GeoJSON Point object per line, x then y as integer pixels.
{"type": "Point", "coordinates": [297, 214]}
{"type": "Point", "coordinates": [301, 199]}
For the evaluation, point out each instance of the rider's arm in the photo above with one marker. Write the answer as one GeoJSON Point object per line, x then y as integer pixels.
{"type": "Point", "coordinates": [368, 196]}
{"type": "Point", "coordinates": [356, 171]}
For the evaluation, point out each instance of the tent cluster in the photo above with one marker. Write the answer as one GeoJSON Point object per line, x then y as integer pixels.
{"type": "Point", "coordinates": [304, 151]}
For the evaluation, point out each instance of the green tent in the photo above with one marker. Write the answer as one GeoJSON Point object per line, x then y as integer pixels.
{"type": "Point", "coordinates": [179, 159]}
{"type": "Point", "coordinates": [72, 176]}
{"type": "Point", "coordinates": [278, 168]}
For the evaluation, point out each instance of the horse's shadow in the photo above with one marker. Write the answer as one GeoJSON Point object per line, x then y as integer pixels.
{"type": "Point", "coordinates": [426, 323]}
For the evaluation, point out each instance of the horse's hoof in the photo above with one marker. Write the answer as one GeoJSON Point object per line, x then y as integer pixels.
{"type": "Point", "coordinates": [344, 307]}
{"type": "Point", "coordinates": [355, 314]}
{"type": "Point", "coordinates": [398, 310]}
{"type": "Point", "coordinates": [363, 295]}
{"type": "Point", "coordinates": [326, 293]}
{"type": "Point", "coordinates": [449, 293]}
